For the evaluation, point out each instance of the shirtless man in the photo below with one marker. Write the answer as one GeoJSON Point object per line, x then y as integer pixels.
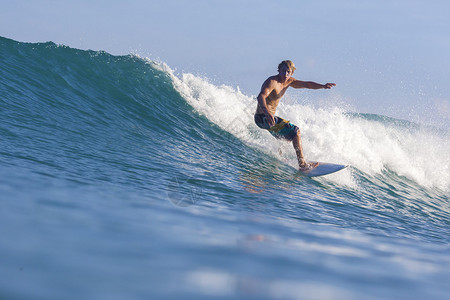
{"type": "Point", "coordinates": [268, 99]}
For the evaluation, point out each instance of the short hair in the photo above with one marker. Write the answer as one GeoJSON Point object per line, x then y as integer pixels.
{"type": "Point", "coordinates": [288, 64]}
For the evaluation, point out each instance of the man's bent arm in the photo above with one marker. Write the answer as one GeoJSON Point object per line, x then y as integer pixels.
{"type": "Point", "coordinates": [265, 92]}
{"type": "Point", "coordinates": [262, 103]}
{"type": "Point", "coordinates": [266, 89]}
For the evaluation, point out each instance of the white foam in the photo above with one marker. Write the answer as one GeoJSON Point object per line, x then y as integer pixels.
{"type": "Point", "coordinates": [328, 134]}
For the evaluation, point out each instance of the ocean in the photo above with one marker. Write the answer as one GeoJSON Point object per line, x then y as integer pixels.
{"type": "Point", "coordinates": [121, 178]}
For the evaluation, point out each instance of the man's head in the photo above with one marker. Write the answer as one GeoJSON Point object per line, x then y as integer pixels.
{"type": "Point", "coordinates": [287, 64]}
{"type": "Point", "coordinates": [285, 70]}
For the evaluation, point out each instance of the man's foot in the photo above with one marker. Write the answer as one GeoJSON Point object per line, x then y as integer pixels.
{"type": "Point", "coordinates": [308, 166]}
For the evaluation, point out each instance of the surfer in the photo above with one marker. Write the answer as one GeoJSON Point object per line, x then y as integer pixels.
{"type": "Point", "coordinates": [268, 99]}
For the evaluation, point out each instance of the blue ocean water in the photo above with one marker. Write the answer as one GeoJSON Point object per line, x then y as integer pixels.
{"type": "Point", "coordinates": [120, 179]}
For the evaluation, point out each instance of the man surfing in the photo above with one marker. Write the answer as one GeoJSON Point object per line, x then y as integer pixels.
{"type": "Point", "coordinates": [268, 99]}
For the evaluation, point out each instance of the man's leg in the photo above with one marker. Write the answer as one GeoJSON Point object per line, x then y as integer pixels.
{"type": "Point", "coordinates": [299, 151]}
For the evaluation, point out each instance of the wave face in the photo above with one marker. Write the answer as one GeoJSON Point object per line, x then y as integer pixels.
{"type": "Point", "coordinates": [122, 179]}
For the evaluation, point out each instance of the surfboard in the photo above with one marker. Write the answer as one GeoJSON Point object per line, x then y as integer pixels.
{"type": "Point", "coordinates": [323, 169]}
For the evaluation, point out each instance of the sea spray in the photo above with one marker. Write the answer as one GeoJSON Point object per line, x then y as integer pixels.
{"type": "Point", "coordinates": [329, 134]}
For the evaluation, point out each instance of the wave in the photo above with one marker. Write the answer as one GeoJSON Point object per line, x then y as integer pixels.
{"type": "Point", "coordinates": [123, 102]}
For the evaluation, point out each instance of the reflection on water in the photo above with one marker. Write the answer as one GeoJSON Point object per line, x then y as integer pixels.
{"type": "Point", "coordinates": [259, 177]}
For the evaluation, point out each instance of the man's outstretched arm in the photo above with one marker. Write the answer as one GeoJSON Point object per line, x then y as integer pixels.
{"type": "Point", "coordinates": [298, 84]}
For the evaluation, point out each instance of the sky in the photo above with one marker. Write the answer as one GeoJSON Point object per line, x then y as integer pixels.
{"type": "Point", "coordinates": [386, 57]}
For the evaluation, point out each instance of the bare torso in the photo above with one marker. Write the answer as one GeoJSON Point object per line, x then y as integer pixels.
{"type": "Point", "coordinates": [277, 91]}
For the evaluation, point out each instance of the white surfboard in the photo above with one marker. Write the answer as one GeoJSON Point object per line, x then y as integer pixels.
{"type": "Point", "coordinates": [323, 169]}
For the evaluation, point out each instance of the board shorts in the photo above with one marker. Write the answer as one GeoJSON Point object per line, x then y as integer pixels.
{"type": "Point", "coordinates": [282, 129]}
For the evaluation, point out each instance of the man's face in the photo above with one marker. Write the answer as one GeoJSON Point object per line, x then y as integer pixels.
{"type": "Point", "coordinates": [285, 73]}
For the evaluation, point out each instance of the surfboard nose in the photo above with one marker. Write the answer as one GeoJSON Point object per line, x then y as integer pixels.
{"type": "Point", "coordinates": [323, 169]}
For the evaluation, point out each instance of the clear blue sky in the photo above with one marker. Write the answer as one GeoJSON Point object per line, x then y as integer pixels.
{"type": "Point", "coordinates": [387, 57]}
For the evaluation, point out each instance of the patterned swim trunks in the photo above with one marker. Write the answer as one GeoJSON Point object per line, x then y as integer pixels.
{"type": "Point", "coordinates": [282, 129]}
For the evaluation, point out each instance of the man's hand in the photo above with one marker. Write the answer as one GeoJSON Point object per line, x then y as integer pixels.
{"type": "Point", "coordinates": [270, 120]}
{"type": "Point", "coordinates": [329, 85]}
